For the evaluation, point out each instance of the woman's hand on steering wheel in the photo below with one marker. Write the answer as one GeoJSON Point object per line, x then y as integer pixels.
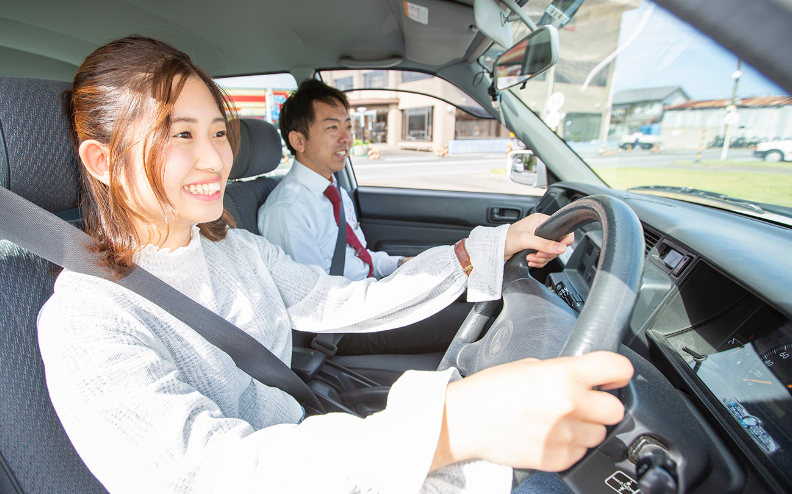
{"type": "Point", "coordinates": [521, 236]}
{"type": "Point", "coordinates": [539, 414]}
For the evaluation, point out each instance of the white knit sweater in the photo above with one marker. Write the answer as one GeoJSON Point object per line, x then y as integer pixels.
{"type": "Point", "coordinates": [151, 406]}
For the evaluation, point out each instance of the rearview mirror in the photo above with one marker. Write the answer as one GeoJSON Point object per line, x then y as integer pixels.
{"type": "Point", "coordinates": [530, 57]}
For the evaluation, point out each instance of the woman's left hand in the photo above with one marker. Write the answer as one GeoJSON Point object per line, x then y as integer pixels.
{"type": "Point", "coordinates": [521, 236]}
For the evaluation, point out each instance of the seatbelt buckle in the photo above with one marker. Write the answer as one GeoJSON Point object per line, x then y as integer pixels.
{"type": "Point", "coordinates": [307, 363]}
{"type": "Point", "coordinates": [326, 347]}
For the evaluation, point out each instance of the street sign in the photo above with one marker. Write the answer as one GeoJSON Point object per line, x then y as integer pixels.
{"type": "Point", "coordinates": [553, 118]}
{"type": "Point", "coordinates": [554, 102]}
{"type": "Point", "coordinates": [731, 118]}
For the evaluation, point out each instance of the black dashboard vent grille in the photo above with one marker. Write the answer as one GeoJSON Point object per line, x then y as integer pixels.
{"type": "Point", "coordinates": [650, 239]}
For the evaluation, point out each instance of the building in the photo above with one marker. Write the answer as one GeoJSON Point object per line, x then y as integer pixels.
{"type": "Point", "coordinates": [641, 110]}
{"type": "Point", "coordinates": [583, 78]}
{"type": "Point", "coordinates": [387, 109]}
{"type": "Point", "coordinates": [411, 121]}
{"type": "Point", "coordinates": [761, 119]}
{"type": "Point", "coordinates": [261, 103]}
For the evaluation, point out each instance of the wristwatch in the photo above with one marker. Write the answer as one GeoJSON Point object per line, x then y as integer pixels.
{"type": "Point", "coordinates": [462, 256]}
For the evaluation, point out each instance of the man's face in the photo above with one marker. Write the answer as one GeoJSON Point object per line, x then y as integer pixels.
{"type": "Point", "coordinates": [326, 147]}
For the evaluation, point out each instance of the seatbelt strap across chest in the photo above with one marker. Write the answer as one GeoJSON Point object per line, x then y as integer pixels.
{"type": "Point", "coordinates": [44, 234]}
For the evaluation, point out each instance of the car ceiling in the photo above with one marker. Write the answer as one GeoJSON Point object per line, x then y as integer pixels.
{"type": "Point", "coordinates": [50, 38]}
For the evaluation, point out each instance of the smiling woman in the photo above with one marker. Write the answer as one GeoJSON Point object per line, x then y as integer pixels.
{"type": "Point", "coordinates": [162, 179]}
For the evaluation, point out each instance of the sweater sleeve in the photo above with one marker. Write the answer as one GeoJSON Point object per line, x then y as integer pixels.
{"type": "Point", "coordinates": [140, 427]}
{"type": "Point", "coordinates": [388, 452]}
{"type": "Point", "coordinates": [420, 288]}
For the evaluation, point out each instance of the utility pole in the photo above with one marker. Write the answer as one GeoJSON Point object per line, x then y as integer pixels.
{"type": "Point", "coordinates": [731, 117]}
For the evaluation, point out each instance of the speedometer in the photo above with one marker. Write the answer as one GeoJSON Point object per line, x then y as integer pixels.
{"type": "Point", "coordinates": [778, 361]}
{"type": "Point", "coordinates": [752, 379]}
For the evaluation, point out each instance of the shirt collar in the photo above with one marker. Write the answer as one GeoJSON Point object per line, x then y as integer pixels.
{"type": "Point", "coordinates": [309, 178]}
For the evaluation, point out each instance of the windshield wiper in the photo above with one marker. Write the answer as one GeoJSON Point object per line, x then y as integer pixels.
{"type": "Point", "coordinates": [704, 194]}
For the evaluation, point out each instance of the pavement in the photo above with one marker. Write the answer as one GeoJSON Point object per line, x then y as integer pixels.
{"type": "Point", "coordinates": [486, 172]}
{"type": "Point", "coordinates": [479, 172]}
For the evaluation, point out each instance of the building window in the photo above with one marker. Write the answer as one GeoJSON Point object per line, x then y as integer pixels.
{"type": "Point", "coordinates": [343, 83]}
{"type": "Point", "coordinates": [371, 125]}
{"type": "Point", "coordinates": [576, 72]}
{"type": "Point", "coordinates": [414, 76]}
{"type": "Point", "coordinates": [417, 124]}
{"type": "Point", "coordinates": [469, 127]}
{"type": "Point", "coordinates": [582, 127]}
{"type": "Point", "coordinates": [375, 78]}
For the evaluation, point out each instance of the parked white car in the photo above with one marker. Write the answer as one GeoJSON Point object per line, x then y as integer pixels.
{"type": "Point", "coordinates": [774, 150]}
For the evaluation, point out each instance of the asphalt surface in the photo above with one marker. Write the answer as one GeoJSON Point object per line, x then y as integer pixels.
{"type": "Point", "coordinates": [486, 172]}
{"type": "Point", "coordinates": [424, 170]}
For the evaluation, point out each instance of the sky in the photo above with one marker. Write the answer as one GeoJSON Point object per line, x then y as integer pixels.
{"type": "Point", "coordinates": [670, 52]}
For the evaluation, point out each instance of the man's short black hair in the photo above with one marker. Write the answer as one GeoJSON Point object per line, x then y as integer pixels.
{"type": "Point", "coordinates": [297, 113]}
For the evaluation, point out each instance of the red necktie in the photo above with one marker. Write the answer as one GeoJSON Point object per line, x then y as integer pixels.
{"type": "Point", "coordinates": [332, 193]}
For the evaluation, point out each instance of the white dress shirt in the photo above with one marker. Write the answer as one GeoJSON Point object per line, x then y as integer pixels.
{"type": "Point", "coordinates": [299, 218]}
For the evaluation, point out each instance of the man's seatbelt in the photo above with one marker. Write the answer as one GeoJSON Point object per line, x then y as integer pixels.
{"type": "Point", "coordinates": [44, 234]}
{"type": "Point", "coordinates": [339, 254]}
{"type": "Point", "coordinates": [327, 343]}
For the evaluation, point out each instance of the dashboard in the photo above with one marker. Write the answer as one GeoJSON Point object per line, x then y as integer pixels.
{"type": "Point", "coordinates": [714, 319]}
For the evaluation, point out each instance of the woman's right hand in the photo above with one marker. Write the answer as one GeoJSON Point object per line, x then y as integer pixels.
{"type": "Point", "coordinates": [537, 414]}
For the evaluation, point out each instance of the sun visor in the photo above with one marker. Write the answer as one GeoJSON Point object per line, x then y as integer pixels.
{"type": "Point", "coordinates": [447, 27]}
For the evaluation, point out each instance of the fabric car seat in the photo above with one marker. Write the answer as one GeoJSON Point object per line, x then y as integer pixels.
{"type": "Point", "coordinates": [259, 153]}
{"type": "Point", "coordinates": [37, 162]}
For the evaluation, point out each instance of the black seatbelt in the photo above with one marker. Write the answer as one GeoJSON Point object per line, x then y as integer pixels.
{"type": "Point", "coordinates": [44, 234]}
{"type": "Point", "coordinates": [339, 254]}
{"type": "Point", "coordinates": [327, 343]}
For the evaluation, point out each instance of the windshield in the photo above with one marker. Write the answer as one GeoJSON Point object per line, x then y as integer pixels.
{"type": "Point", "coordinates": [653, 105]}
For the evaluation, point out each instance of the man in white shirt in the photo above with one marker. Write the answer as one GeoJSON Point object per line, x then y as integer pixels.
{"type": "Point", "coordinates": [298, 216]}
{"type": "Point", "coordinates": [300, 219]}
{"type": "Point", "coordinates": [299, 213]}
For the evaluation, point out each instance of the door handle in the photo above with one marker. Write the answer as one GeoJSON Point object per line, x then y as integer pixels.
{"type": "Point", "coordinates": [504, 215]}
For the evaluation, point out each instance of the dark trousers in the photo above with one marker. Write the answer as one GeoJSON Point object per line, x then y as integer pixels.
{"type": "Point", "coordinates": [433, 334]}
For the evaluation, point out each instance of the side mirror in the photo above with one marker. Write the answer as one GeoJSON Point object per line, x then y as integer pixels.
{"type": "Point", "coordinates": [530, 57]}
{"type": "Point", "coordinates": [523, 167]}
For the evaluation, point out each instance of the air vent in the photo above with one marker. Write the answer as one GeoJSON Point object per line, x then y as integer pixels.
{"type": "Point", "coordinates": [545, 201]}
{"type": "Point", "coordinates": [650, 239]}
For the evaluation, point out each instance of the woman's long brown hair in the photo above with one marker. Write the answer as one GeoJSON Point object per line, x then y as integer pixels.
{"type": "Point", "coordinates": [122, 95]}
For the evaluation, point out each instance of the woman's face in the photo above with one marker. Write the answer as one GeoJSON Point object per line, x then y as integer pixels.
{"type": "Point", "coordinates": [196, 166]}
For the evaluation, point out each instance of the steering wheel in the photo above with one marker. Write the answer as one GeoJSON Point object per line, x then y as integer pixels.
{"type": "Point", "coordinates": [534, 322]}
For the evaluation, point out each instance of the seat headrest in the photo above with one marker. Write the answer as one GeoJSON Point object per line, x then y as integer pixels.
{"type": "Point", "coordinates": [37, 158]}
{"type": "Point", "coordinates": [259, 149]}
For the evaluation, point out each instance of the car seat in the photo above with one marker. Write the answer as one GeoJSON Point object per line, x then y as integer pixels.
{"type": "Point", "coordinates": [247, 189]}
{"type": "Point", "coordinates": [38, 162]}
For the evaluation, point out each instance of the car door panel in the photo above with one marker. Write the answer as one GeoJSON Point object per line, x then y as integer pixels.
{"type": "Point", "coordinates": [408, 221]}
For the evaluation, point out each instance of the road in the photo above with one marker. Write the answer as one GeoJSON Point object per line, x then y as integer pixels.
{"type": "Point", "coordinates": [487, 172]}
{"type": "Point", "coordinates": [423, 170]}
